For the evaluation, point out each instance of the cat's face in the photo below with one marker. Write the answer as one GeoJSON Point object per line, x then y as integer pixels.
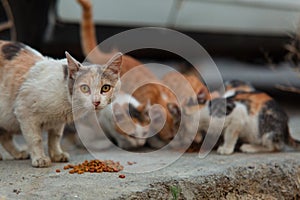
{"type": "Point", "coordinates": [92, 86]}
{"type": "Point", "coordinates": [132, 123]}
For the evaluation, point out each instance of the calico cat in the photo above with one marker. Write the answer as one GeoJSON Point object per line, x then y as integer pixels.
{"type": "Point", "coordinates": [38, 94]}
{"type": "Point", "coordinates": [126, 121]}
{"type": "Point", "coordinates": [253, 118]}
{"type": "Point", "coordinates": [148, 92]}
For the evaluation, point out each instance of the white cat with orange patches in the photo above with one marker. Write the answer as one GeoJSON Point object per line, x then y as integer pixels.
{"type": "Point", "coordinates": [37, 92]}
{"type": "Point", "coordinates": [126, 122]}
{"type": "Point", "coordinates": [252, 118]}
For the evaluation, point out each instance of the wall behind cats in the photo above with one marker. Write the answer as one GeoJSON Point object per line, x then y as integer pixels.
{"type": "Point", "coordinates": [224, 29]}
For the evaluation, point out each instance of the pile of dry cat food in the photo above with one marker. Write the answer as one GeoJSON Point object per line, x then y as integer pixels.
{"type": "Point", "coordinates": [94, 166]}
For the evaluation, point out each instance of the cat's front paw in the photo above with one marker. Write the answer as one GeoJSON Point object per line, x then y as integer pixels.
{"type": "Point", "coordinates": [224, 150]}
{"type": "Point", "coordinates": [62, 157]}
{"type": "Point", "coordinates": [41, 162]}
{"type": "Point", "coordinates": [22, 155]}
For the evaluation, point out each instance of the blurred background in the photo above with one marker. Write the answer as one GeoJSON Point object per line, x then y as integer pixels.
{"type": "Point", "coordinates": [246, 38]}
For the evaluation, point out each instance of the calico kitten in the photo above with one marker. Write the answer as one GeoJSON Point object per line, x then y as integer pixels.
{"type": "Point", "coordinates": [37, 94]}
{"type": "Point", "coordinates": [253, 118]}
{"type": "Point", "coordinates": [126, 122]}
{"type": "Point", "coordinates": [148, 92]}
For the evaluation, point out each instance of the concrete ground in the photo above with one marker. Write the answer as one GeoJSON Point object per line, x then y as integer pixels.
{"type": "Point", "coordinates": [270, 176]}
{"type": "Point", "coordinates": [238, 176]}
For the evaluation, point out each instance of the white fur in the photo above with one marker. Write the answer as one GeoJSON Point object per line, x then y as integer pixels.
{"type": "Point", "coordinates": [43, 102]}
{"type": "Point", "coordinates": [108, 124]}
{"type": "Point", "coordinates": [35, 52]}
{"type": "Point", "coordinates": [238, 124]}
{"type": "Point", "coordinates": [229, 93]}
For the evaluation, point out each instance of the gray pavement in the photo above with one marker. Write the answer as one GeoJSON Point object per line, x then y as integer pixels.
{"type": "Point", "coordinates": [274, 175]}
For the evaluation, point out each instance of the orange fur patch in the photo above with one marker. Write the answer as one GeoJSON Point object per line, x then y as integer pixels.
{"type": "Point", "coordinates": [16, 68]}
{"type": "Point", "coordinates": [257, 100]}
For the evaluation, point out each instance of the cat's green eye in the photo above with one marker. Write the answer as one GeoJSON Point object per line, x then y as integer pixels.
{"type": "Point", "coordinates": [105, 88]}
{"type": "Point", "coordinates": [85, 88]}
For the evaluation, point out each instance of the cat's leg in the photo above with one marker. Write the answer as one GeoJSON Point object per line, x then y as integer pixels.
{"type": "Point", "coordinates": [230, 139]}
{"type": "Point", "coordinates": [156, 142]}
{"type": "Point", "coordinates": [231, 135]}
{"type": "Point", "coordinates": [33, 136]}
{"type": "Point", "coordinates": [252, 148]}
{"type": "Point", "coordinates": [269, 143]}
{"type": "Point", "coordinates": [8, 144]}
{"type": "Point", "coordinates": [54, 148]}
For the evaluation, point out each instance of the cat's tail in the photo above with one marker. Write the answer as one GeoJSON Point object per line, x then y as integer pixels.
{"type": "Point", "coordinates": [89, 42]}
{"type": "Point", "coordinates": [290, 141]}
{"type": "Point", "coordinates": [88, 35]}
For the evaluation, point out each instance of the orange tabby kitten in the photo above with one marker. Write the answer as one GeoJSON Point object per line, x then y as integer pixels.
{"type": "Point", "coordinates": [184, 86]}
{"type": "Point", "coordinates": [152, 92]}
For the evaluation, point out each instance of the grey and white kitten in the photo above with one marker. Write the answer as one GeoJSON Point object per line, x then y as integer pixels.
{"type": "Point", "coordinates": [39, 94]}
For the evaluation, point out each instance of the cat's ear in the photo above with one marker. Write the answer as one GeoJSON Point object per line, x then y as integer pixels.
{"type": "Point", "coordinates": [175, 111]}
{"type": "Point", "coordinates": [118, 112]}
{"type": "Point", "coordinates": [134, 112]}
{"type": "Point", "coordinates": [191, 102]}
{"type": "Point", "coordinates": [157, 114]}
{"type": "Point", "coordinates": [201, 96]}
{"type": "Point", "coordinates": [115, 63]}
{"type": "Point", "coordinates": [148, 105]}
{"type": "Point", "coordinates": [73, 65]}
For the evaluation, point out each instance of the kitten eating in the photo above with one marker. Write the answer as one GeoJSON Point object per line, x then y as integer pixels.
{"type": "Point", "coordinates": [252, 118]}
{"type": "Point", "coordinates": [38, 94]}
{"type": "Point", "coordinates": [126, 122]}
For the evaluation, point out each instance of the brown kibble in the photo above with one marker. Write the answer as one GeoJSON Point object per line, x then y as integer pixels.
{"type": "Point", "coordinates": [131, 163]}
{"type": "Point", "coordinates": [121, 176]}
{"type": "Point", "coordinates": [95, 166]}
{"type": "Point", "coordinates": [57, 170]}
{"type": "Point", "coordinates": [66, 167]}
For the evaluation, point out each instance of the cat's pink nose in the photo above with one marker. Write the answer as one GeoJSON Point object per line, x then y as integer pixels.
{"type": "Point", "coordinates": [96, 103]}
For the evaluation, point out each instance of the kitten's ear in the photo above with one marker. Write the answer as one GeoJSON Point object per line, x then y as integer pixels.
{"type": "Point", "coordinates": [134, 112]}
{"type": "Point", "coordinates": [73, 65]}
{"type": "Point", "coordinates": [191, 102]}
{"type": "Point", "coordinates": [118, 112]}
{"type": "Point", "coordinates": [157, 114]}
{"type": "Point", "coordinates": [148, 105]}
{"type": "Point", "coordinates": [201, 96]}
{"type": "Point", "coordinates": [175, 111]}
{"type": "Point", "coordinates": [114, 64]}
